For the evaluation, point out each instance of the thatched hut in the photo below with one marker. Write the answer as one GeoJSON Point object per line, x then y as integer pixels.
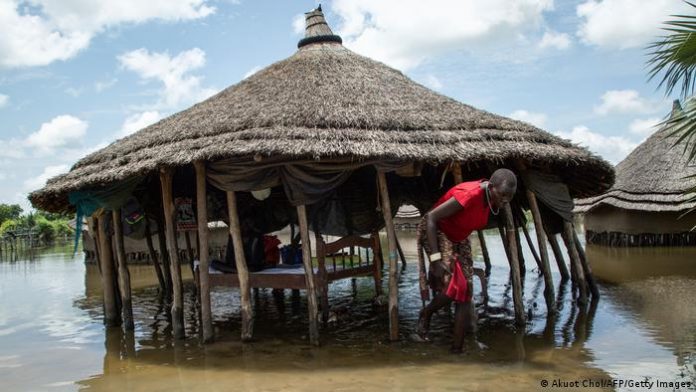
{"type": "Point", "coordinates": [341, 141]}
{"type": "Point", "coordinates": [645, 205]}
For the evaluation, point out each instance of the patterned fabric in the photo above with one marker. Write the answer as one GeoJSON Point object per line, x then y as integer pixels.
{"type": "Point", "coordinates": [451, 252]}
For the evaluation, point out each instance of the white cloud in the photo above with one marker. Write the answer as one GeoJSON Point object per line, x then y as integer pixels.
{"type": "Point", "coordinates": [405, 33]}
{"type": "Point", "coordinates": [623, 101]}
{"type": "Point", "coordinates": [173, 72]}
{"type": "Point", "coordinates": [612, 148]}
{"type": "Point", "coordinates": [39, 181]}
{"type": "Point", "coordinates": [622, 24]}
{"type": "Point", "coordinates": [536, 119]}
{"type": "Point", "coordinates": [644, 127]}
{"type": "Point", "coordinates": [61, 131]}
{"type": "Point", "coordinates": [74, 91]}
{"type": "Point", "coordinates": [139, 121]}
{"type": "Point", "coordinates": [13, 149]}
{"type": "Point", "coordinates": [552, 39]}
{"type": "Point", "coordinates": [252, 71]}
{"type": "Point", "coordinates": [433, 82]}
{"type": "Point", "coordinates": [40, 32]}
{"type": "Point", "coordinates": [4, 99]}
{"type": "Point", "coordinates": [104, 85]}
{"type": "Point", "coordinates": [298, 24]}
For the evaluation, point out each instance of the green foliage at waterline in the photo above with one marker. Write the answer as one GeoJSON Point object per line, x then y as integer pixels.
{"type": "Point", "coordinates": [45, 228]}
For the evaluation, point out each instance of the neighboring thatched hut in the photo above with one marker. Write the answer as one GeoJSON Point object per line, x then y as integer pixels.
{"type": "Point", "coordinates": [644, 206]}
{"type": "Point", "coordinates": [337, 142]}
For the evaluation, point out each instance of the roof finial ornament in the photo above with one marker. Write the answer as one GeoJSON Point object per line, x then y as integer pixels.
{"type": "Point", "coordinates": [317, 30]}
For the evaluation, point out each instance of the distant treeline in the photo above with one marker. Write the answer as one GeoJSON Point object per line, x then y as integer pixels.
{"type": "Point", "coordinates": [44, 228]}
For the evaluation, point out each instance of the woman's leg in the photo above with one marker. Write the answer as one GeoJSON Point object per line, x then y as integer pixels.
{"type": "Point", "coordinates": [438, 302]}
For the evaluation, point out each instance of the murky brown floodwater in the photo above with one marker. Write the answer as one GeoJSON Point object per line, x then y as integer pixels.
{"type": "Point", "coordinates": [643, 328]}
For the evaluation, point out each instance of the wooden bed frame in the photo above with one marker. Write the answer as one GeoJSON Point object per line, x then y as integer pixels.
{"type": "Point", "coordinates": [340, 255]}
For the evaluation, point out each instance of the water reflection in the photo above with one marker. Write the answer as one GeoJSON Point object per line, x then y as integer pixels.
{"type": "Point", "coordinates": [51, 334]}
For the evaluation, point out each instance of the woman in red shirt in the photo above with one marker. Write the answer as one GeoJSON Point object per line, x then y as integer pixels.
{"type": "Point", "coordinates": [443, 233]}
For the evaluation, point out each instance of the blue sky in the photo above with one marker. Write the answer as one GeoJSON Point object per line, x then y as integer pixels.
{"type": "Point", "coordinates": [76, 75]}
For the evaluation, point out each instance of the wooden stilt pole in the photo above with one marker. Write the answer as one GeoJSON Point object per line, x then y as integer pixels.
{"type": "Point", "coordinates": [520, 255]}
{"type": "Point", "coordinates": [586, 266]}
{"type": "Point", "coordinates": [401, 252]}
{"type": "Point", "coordinates": [484, 251]}
{"type": "Point", "coordinates": [189, 249]}
{"type": "Point", "coordinates": [323, 278]}
{"type": "Point", "coordinates": [566, 241]}
{"type": "Point", "coordinates": [391, 241]}
{"type": "Point", "coordinates": [549, 290]}
{"type": "Point", "coordinates": [532, 249]}
{"type": "Point", "coordinates": [309, 275]}
{"type": "Point", "coordinates": [203, 253]}
{"type": "Point", "coordinates": [377, 263]}
{"type": "Point", "coordinates": [166, 179]}
{"type": "Point", "coordinates": [111, 317]}
{"type": "Point", "coordinates": [242, 271]}
{"type": "Point", "coordinates": [164, 257]}
{"type": "Point", "coordinates": [153, 256]}
{"type": "Point", "coordinates": [575, 261]}
{"type": "Point", "coordinates": [520, 317]}
{"type": "Point", "coordinates": [123, 273]}
{"type": "Point", "coordinates": [504, 239]}
{"type": "Point", "coordinates": [558, 255]}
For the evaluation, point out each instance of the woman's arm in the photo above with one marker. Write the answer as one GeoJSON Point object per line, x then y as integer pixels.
{"type": "Point", "coordinates": [450, 207]}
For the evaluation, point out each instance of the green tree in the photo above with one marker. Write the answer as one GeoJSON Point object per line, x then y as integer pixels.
{"type": "Point", "coordinates": [9, 211]}
{"type": "Point", "coordinates": [8, 226]}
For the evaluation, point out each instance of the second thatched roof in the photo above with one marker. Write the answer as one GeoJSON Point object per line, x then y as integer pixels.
{"type": "Point", "coordinates": [327, 101]}
{"type": "Point", "coordinates": [651, 178]}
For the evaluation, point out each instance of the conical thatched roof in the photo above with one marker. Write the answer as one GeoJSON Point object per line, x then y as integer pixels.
{"type": "Point", "coordinates": [327, 101]}
{"type": "Point", "coordinates": [650, 178]}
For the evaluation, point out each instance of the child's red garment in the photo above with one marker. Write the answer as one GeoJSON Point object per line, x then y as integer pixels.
{"type": "Point", "coordinates": [459, 290]}
{"type": "Point", "coordinates": [474, 213]}
{"type": "Point", "coordinates": [270, 247]}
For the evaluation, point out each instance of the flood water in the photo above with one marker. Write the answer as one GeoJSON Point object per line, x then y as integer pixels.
{"type": "Point", "coordinates": [642, 329]}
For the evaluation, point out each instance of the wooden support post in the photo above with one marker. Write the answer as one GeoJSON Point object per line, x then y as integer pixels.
{"type": "Point", "coordinates": [504, 239]}
{"type": "Point", "coordinates": [153, 256]}
{"type": "Point", "coordinates": [484, 251]}
{"type": "Point", "coordinates": [575, 261]}
{"type": "Point", "coordinates": [520, 256]}
{"type": "Point", "coordinates": [391, 241]}
{"type": "Point", "coordinates": [532, 249]}
{"type": "Point", "coordinates": [111, 317]}
{"type": "Point", "coordinates": [164, 257]}
{"type": "Point", "coordinates": [549, 290]}
{"type": "Point", "coordinates": [558, 255]}
{"type": "Point", "coordinates": [242, 271]}
{"type": "Point", "coordinates": [377, 263]}
{"type": "Point", "coordinates": [189, 249]}
{"type": "Point", "coordinates": [401, 252]}
{"type": "Point", "coordinates": [203, 252]}
{"type": "Point", "coordinates": [520, 317]}
{"type": "Point", "coordinates": [309, 275]}
{"type": "Point", "coordinates": [123, 273]}
{"type": "Point", "coordinates": [166, 179]}
{"type": "Point", "coordinates": [323, 276]}
{"type": "Point", "coordinates": [586, 266]}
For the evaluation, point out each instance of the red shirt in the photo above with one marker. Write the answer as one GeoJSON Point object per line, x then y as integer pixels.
{"type": "Point", "coordinates": [474, 213]}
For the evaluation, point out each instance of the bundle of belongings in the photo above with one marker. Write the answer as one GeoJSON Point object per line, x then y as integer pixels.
{"type": "Point", "coordinates": [260, 251]}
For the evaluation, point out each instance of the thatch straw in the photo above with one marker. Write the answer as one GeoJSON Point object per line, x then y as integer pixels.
{"type": "Point", "coordinates": [650, 178]}
{"type": "Point", "coordinates": [326, 101]}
